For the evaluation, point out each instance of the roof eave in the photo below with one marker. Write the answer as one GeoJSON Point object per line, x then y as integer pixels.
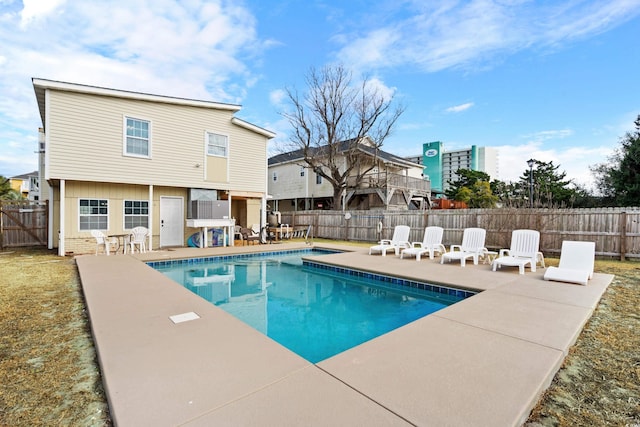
{"type": "Point", "coordinates": [41, 85]}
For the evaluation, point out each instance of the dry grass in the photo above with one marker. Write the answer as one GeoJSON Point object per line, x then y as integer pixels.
{"type": "Point", "coordinates": [50, 375]}
{"type": "Point", "coordinates": [47, 360]}
{"type": "Point", "coordinates": [599, 383]}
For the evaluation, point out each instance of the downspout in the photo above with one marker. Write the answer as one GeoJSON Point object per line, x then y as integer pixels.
{"type": "Point", "coordinates": [150, 217]}
{"type": "Point", "coordinates": [50, 225]}
{"type": "Point", "coordinates": [62, 231]}
{"type": "Point", "coordinates": [306, 189]}
{"type": "Point", "coordinates": [232, 231]}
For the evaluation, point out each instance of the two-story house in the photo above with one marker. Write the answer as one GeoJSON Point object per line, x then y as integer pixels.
{"type": "Point", "coordinates": [390, 183]}
{"type": "Point", "coordinates": [116, 159]}
{"type": "Point", "coordinates": [27, 185]}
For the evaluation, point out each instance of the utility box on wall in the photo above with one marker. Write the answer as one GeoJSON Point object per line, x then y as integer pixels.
{"type": "Point", "coordinates": [204, 204]}
{"type": "Point", "coordinates": [209, 209]}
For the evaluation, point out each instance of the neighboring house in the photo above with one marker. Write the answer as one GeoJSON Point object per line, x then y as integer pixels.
{"type": "Point", "coordinates": [27, 185]}
{"type": "Point", "coordinates": [392, 183]}
{"type": "Point", "coordinates": [114, 160]}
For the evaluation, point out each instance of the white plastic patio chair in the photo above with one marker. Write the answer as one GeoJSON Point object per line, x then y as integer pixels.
{"type": "Point", "coordinates": [400, 240]}
{"type": "Point", "coordinates": [523, 251]}
{"type": "Point", "coordinates": [104, 242]}
{"type": "Point", "coordinates": [576, 263]}
{"type": "Point", "coordinates": [138, 239]}
{"type": "Point", "coordinates": [472, 247]}
{"type": "Point", "coordinates": [431, 242]}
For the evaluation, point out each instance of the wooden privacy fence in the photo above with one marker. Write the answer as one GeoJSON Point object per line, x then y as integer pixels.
{"type": "Point", "coordinates": [23, 223]}
{"type": "Point", "coordinates": [616, 231]}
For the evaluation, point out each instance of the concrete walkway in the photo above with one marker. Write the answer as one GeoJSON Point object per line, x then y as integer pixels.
{"type": "Point", "coordinates": [481, 362]}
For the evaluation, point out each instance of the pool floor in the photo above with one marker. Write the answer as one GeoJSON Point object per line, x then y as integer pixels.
{"type": "Point", "coordinates": [483, 361]}
{"type": "Point", "coordinates": [316, 312]}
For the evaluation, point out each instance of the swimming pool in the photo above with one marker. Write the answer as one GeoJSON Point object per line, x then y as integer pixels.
{"type": "Point", "coordinates": [311, 308]}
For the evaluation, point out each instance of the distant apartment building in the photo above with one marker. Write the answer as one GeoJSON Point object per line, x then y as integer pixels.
{"type": "Point", "coordinates": [440, 166]}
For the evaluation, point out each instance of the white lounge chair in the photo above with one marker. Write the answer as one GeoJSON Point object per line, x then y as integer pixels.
{"type": "Point", "coordinates": [139, 238]}
{"type": "Point", "coordinates": [431, 242]}
{"type": "Point", "coordinates": [523, 251]}
{"type": "Point", "coordinates": [472, 247]}
{"type": "Point", "coordinates": [576, 263]}
{"type": "Point", "coordinates": [104, 242]}
{"type": "Point", "coordinates": [400, 240]}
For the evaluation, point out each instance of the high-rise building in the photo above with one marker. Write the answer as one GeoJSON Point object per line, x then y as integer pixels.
{"type": "Point", "coordinates": [440, 166]}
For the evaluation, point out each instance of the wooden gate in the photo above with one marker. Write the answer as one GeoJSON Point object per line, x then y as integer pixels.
{"type": "Point", "coordinates": [23, 223]}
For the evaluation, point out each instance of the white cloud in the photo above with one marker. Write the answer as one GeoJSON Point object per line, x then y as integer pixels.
{"type": "Point", "coordinates": [547, 135]}
{"type": "Point", "coordinates": [196, 49]}
{"type": "Point", "coordinates": [277, 97]}
{"type": "Point", "coordinates": [439, 35]}
{"type": "Point", "coordinates": [459, 108]}
{"type": "Point", "coordinates": [375, 85]}
{"type": "Point", "coordinates": [575, 161]}
{"type": "Point", "coordinates": [37, 9]}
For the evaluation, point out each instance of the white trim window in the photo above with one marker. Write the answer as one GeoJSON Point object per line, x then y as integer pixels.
{"type": "Point", "coordinates": [136, 214]}
{"type": "Point", "coordinates": [217, 145]}
{"type": "Point", "coordinates": [137, 137]}
{"type": "Point", "coordinates": [93, 214]}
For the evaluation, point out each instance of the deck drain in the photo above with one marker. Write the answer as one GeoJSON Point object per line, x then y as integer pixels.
{"type": "Point", "coordinates": [184, 317]}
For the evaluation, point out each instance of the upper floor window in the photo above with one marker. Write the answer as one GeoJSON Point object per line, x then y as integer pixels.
{"type": "Point", "coordinates": [217, 145]}
{"type": "Point", "coordinates": [275, 176]}
{"type": "Point", "coordinates": [136, 214]}
{"type": "Point", "coordinates": [318, 179]}
{"type": "Point", "coordinates": [302, 171]}
{"type": "Point", "coordinates": [137, 137]}
{"type": "Point", "coordinates": [94, 214]}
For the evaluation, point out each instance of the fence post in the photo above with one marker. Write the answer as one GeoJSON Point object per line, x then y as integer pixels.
{"type": "Point", "coordinates": [1, 226]}
{"type": "Point", "coordinates": [623, 235]}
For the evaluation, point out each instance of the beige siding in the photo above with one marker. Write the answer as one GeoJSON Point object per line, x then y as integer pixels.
{"type": "Point", "coordinates": [247, 161]}
{"type": "Point", "coordinates": [116, 194]}
{"type": "Point", "coordinates": [86, 143]}
{"type": "Point", "coordinates": [217, 170]}
{"type": "Point", "coordinates": [290, 185]}
{"type": "Point", "coordinates": [78, 241]}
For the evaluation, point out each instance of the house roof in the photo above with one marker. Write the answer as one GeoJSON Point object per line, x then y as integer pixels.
{"type": "Point", "coordinates": [41, 85]}
{"type": "Point", "coordinates": [252, 127]}
{"type": "Point", "coordinates": [385, 156]}
{"type": "Point", "coordinates": [25, 175]}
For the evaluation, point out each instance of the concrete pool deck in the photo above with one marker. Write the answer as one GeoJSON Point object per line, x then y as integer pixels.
{"type": "Point", "coordinates": [484, 361]}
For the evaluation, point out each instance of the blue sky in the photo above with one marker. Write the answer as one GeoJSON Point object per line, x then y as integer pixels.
{"type": "Point", "coordinates": [551, 80]}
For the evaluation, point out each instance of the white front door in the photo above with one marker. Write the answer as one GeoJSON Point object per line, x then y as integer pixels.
{"type": "Point", "coordinates": [171, 221]}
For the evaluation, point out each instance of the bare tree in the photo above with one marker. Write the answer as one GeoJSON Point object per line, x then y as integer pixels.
{"type": "Point", "coordinates": [333, 120]}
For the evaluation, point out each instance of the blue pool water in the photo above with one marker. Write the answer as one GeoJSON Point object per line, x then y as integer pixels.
{"type": "Point", "coordinates": [315, 311]}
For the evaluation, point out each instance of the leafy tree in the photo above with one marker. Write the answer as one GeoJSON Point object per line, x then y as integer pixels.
{"type": "Point", "coordinates": [6, 192]}
{"type": "Point", "coordinates": [510, 194]}
{"type": "Point", "coordinates": [331, 121]}
{"type": "Point", "coordinates": [464, 194]}
{"type": "Point", "coordinates": [550, 187]}
{"type": "Point", "coordinates": [466, 178]}
{"type": "Point", "coordinates": [619, 179]}
{"type": "Point", "coordinates": [584, 198]}
{"type": "Point", "coordinates": [473, 188]}
{"type": "Point", "coordinates": [482, 196]}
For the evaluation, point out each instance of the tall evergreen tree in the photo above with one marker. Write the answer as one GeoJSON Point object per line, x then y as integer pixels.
{"type": "Point", "coordinates": [550, 187]}
{"type": "Point", "coordinates": [618, 179]}
{"type": "Point", "coordinates": [473, 188]}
